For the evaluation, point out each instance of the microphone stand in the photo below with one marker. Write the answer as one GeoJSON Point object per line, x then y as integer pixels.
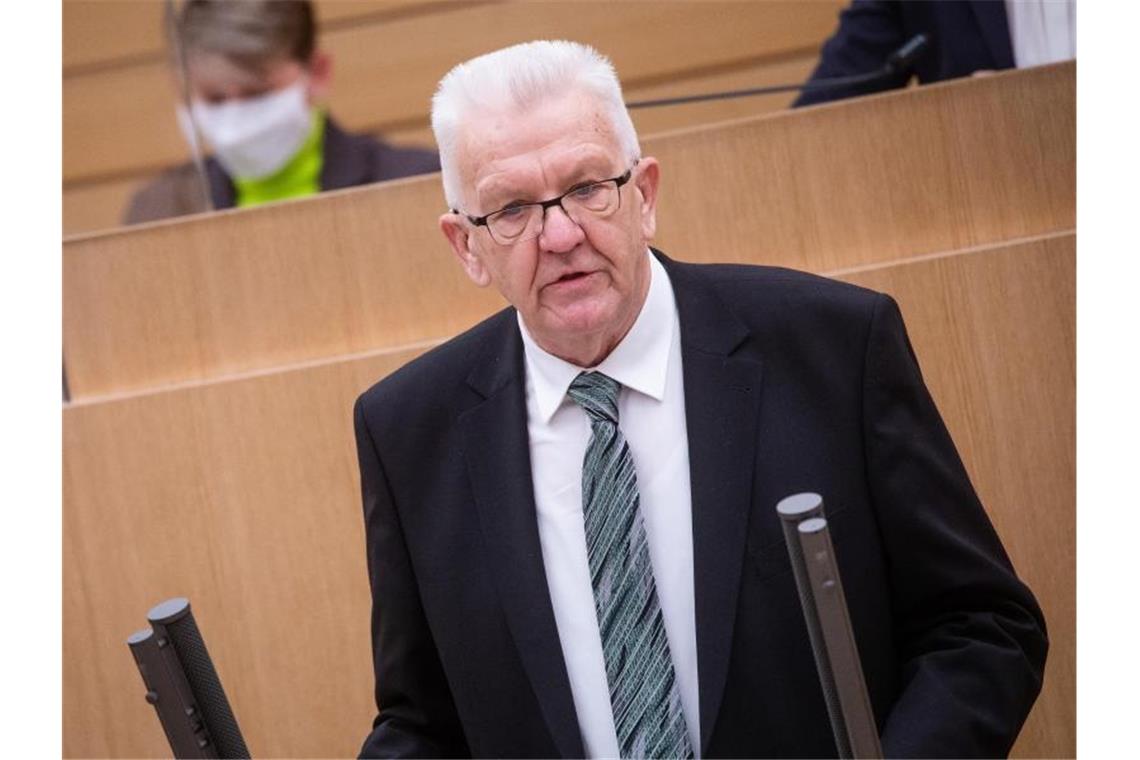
{"type": "Point", "coordinates": [829, 627]}
{"type": "Point", "coordinates": [183, 686]}
{"type": "Point", "coordinates": [899, 61]}
{"type": "Point", "coordinates": [174, 30]}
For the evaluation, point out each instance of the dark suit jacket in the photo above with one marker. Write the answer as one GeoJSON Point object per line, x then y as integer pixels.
{"type": "Point", "coordinates": [964, 37]}
{"type": "Point", "coordinates": [349, 160]}
{"type": "Point", "coordinates": [792, 383]}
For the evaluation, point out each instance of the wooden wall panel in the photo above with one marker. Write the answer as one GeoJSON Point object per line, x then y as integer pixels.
{"type": "Point", "coordinates": [358, 274]}
{"type": "Point", "coordinates": [110, 32]}
{"type": "Point", "coordinates": [119, 33]}
{"type": "Point", "coordinates": [653, 121]}
{"type": "Point", "coordinates": [100, 206]}
{"type": "Point", "coordinates": [935, 168]}
{"type": "Point", "coordinates": [818, 189]}
{"type": "Point", "coordinates": [243, 495]}
{"type": "Point", "coordinates": [119, 120]}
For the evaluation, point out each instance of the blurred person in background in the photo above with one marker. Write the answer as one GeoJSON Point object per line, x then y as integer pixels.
{"type": "Point", "coordinates": [965, 37]}
{"type": "Point", "coordinates": [257, 83]}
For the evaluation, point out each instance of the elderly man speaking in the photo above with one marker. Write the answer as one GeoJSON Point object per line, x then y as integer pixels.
{"type": "Point", "coordinates": [571, 536]}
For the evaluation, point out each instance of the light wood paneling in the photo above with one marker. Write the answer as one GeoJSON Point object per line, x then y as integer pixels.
{"type": "Point", "coordinates": [90, 208]}
{"type": "Point", "coordinates": [652, 121]}
{"type": "Point", "coordinates": [243, 495]}
{"type": "Point", "coordinates": [934, 168]}
{"type": "Point", "coordinates": [117, 33]}
{"type": "Point", "coordinates": [110, 31]}
{"type": "Point", "coordinates": [356, 275]}
{"type": "Point", "coordinates": [120, 120]}
{"type": "Point", "coordinates": [817, 189]}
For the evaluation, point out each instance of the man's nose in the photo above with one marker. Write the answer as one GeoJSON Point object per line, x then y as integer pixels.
{"type": "Point", "coordinates": [560, 233]}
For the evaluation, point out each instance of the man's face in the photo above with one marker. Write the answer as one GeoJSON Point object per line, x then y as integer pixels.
{"type": "Point", "coordinates": [579, 288]}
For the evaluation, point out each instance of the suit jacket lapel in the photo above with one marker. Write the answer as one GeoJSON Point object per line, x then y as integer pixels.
{"type": "Point", "coordinates": [498, 463]}
{"type": "Point", "coordinates": [722, 392]}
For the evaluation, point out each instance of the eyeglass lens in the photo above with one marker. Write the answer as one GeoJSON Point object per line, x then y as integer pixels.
{"type": "Point", "coordinates": [525, 221]}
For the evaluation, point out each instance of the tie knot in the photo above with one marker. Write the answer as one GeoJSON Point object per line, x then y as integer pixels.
{"type": "Point", "coordinates": [597, 394]}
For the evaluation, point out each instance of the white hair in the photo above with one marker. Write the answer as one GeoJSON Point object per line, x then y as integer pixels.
{"type": "Point", "coordinates": [514, 79]}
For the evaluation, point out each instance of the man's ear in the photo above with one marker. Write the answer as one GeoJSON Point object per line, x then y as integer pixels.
{"type": "Point", "coordinates": [646, 180]}
{"type": "Point", "coordinates": [459, 236]}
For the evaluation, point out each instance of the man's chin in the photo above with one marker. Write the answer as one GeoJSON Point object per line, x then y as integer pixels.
{"type": "Point", "coordinates": [582, 329]}
{"type": "Point", "coordinates": [579, 318]}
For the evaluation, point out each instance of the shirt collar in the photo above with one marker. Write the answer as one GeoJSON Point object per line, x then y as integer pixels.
{"type": "Point", "coordinates": [638, 362]}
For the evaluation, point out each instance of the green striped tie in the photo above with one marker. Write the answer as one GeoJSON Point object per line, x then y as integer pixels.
{"type": "Point", "coordinates": [643, 692]}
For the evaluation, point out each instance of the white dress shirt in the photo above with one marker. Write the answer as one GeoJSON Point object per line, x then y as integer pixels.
{"type": "Point", "coordinates": [1042, 31]}
{"type": "Point", "coordinates": [651, 415]}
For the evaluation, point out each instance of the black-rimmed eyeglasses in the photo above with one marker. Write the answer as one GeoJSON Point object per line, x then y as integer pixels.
{"type": "Point", "coordinates": [524, 221]}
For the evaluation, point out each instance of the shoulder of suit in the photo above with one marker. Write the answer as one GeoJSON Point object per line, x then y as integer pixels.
{"type": "Point", "coordinates": [174, 192]}
{"type": "Point", "coordinates": [386, 161]}
{"type": "Point", "coordinates": [405, 161]}
{"type": "Point", "coordinates": [786, 313]}
{"type": "Point", "coordinates": [750, 285]}
{"type": "Point", "coordinates": [442, 371]}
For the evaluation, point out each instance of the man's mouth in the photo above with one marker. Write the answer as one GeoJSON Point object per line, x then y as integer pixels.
{"type": "Point", "coordinates": [572, 283]}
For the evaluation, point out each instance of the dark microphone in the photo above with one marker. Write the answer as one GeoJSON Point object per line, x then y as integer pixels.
{"type": "Point", "coordinates": [897, 62]}
{"type": "Point", "coordinates": [183, 686]}
{"type": "Point", "coordinates": [829, 626]}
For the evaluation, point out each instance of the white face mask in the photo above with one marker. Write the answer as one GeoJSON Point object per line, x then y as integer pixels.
{"type": "Point", "coordinates": [253, 138]}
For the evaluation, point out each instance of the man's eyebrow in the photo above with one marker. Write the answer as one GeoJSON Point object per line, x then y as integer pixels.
{"type": "Point", "coordinates": [495, 187]}
{"type": "Point", "coordinates": [499, 195]}
{"type": "Point", "coordinates": [496, 197]}
{"type": "Point", "coordinates": [590, 170]}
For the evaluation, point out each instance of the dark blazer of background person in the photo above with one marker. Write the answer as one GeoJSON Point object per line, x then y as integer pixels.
{"type": "Point", "coordinates": [964, 37]}
{"type": "Point", "coordinates": [792, 382]}
{"type": "Point", "coordinates": [349, 160]}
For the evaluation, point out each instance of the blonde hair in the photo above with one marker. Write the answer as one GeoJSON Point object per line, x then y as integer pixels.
{"type": "Point", "coordinates": [250, 33]}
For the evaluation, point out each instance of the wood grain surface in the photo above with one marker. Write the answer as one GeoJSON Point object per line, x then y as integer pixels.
{"type": "Point", "coordinates": [930, 169]}
{"type": "Point", "coordinates": [934, 168]}
{"type": "Point", "coordinates": [97, 206]}
{"type": "Point", "coordinates": [120, 33]}
{"type": "Point", "coordinates": [243, 495]}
